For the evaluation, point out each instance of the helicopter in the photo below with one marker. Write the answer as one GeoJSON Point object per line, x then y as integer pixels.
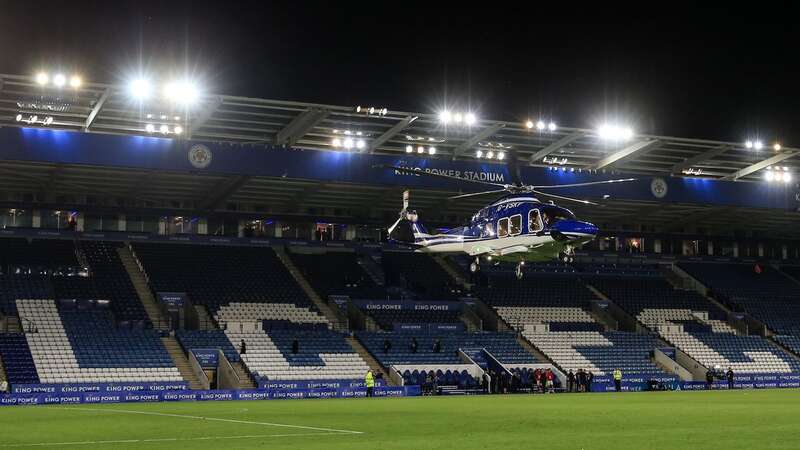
{"type": "Point", "coordinates": [517, 227]}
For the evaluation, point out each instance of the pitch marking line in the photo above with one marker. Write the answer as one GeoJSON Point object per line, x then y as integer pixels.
{"type": "Point", "coordinates": [142, 441]}
{"type": "Point", "coordinates": [319, 431]}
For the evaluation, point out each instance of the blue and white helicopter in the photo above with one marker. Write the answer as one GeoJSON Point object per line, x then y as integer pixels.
{"type": "Point", "coordinates": [518, 227]}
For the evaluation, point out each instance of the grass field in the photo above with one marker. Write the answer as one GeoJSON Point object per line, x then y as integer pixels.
{"type": "Point", "coordinates": [765, 419]}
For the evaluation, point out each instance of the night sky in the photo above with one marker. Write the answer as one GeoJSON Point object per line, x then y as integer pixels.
{"type": "Point", "coordinates": [693, 73]}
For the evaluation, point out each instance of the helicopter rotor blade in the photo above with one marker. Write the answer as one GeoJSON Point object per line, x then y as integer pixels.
{"type": "Point", "coordinates": [439, 175]}
{"type": "Point", "coordinates": [474, 194]}
{"type": "Point", "coordinates": [590, 183]}
{"type": "Point", "coordinates": [561, 197]}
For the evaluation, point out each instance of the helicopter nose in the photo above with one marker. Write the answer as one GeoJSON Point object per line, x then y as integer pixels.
{"type": "Point", "coordinates": [575, 229]}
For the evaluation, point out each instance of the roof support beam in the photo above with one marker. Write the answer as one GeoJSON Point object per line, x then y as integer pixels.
{"type": "Point", "coordinates": [300, 125]}
{"type": "Point", "coordinates": [203, 117]}
{"type": "Point", "coordinates": [471, 142]}
{"type": "Point", "coordinates": [391, 132]}
{"type": "Point", "coordinates": [677, 169]}
{"type": "Point", "coordinates": [759, 165]}
{"type": "Point", "coordinates": [626, 152]}
{"type": "Point", "coordinates": [96, 110]}
{"type": "Point", "coordinates": [223, 190]}
{"type": "Point", "coordinates": [555, 146]}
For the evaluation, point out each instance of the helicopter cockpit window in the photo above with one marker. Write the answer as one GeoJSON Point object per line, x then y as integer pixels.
{"type": "Point", "coordinates": [515, 225]}
{"type": "Point", "coordinates": [535, 221]}
{"type": "Point", "coordinates": [553, 215]}
{"type": "Point", "coordinates": [488, 230]}
{"type": "Point", "coordinates": [502, 227]}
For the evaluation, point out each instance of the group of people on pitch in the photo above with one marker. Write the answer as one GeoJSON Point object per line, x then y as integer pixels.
{"type": "Point", "coordinates": [580, 381]}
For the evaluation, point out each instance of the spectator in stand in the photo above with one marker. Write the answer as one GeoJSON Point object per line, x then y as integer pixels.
{"type": "Point", "coordinates": [414, 345]}
{"type": "Point", "coordinates": [387, 345]}
{"type": "Point", "coordinates": [537, 379]}
{"type": "Point", "coordinates": [589, 379]}
{"type": "Point", "coordinates": [437, 346]}
{"type": "Point", "coordinates": [570, 381]}
{"type": "Point", "coordinates": [242, 347]}
{"type": "Point", "coordinates": [550, 376]}
{"type": "Point", "coordinates": [296, 348]}
{"type": "Point", "coordinates": [729, 376]}
{"type": "Point", "coordinates": [617, 380]}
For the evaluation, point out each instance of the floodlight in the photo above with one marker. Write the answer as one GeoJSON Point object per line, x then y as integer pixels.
{"type": "Point", "coordinates": [445, 117]}
{"type": "Point", "coordinates": [150, 128]}
{"type": "Point", "coordinates": [164, 129]}
{"type": "Point", "coordinates": [42, 78]}
{"type": "Point", "coordinates": [614, 132]}
{"type": "Point", "coordinates": [348, 143]}
{"type": "Point", "coordinates": [470, 119]}
{"type": "Point", "coordinates": [490, 154]}
{"type": "Point", "coordinates": [479, 154]}
{"type": "Point", "coordinates": [431, 150]}
{"type": "Point", "coordinates": [551, 126]}
{"type": "Point", "coordinates": [75, 81]}
{"type": "Point", "coordinates": [19, 117]}
{"type": "Point", "coordinates": [777, 147]}
{"type": "Point", "coordinates": [787, 177]}
{"type": "Point", "coordinates": [529, 124]}
{"type": "Point", "coordinates": [409, 149]}
{"type": "Point", "coordinates": [178, 129]}
{"type": "Point", "coordinates": [181, 91]}
{"type": "Point", "coordinates": [420, 149]}
{"type": "Point", "coordinates": [336, 142]}
{"type": "Point", "coordinates": [748, 144]}
{"type": "Point", "coordinates": [457, 117]}
{"type": "Point", "coordinates": [758, 145]}
{"type": "Point", "coordinates": [140, 89]}
{"type": "Point", "coordinates": [769, 176]}
{"type": "Point", "coordinates": [501, 156]}
{"type": "Point", "coordinates": [540, 125]}
{"type": "Point", "coordinates": [360, 144]}
{"type": "Point", "coordinates": [59, 80]}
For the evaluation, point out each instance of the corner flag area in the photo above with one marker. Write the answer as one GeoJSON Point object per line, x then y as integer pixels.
{"type": "Point", "coordinates": [667, 420]}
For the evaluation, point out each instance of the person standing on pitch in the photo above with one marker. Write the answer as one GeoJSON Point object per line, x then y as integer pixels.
{"type": "Point", "coordinates": [617, 380]}
{"type": "Point", "coordinates": [570, 381]}
{"type": "Point", "coordinates": [729, 376]}
{"type": "Point", "coordinates": [369, 381]}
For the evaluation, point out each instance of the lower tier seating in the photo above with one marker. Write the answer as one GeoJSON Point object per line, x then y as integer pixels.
{"type": "Point", "coordinates": [461, 379]}
{"type": "Point", "coordinates": [502, 346]}
{"type": "Point", "coordinates": [84, 346]}
{"type": "Point", "coordinates": [600, 353]}
{"type": "Point", "coordinates": [321, 355]}
{"type": "Point", "coordinates": [744, 354]}
{"type": "Point", "coordinates": [191, 339]}
{"type": "Point", "coordinates": [17, 359]}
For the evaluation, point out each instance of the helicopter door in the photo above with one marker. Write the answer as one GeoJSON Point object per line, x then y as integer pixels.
{"type": "Point", "coordinates": [502, 227]}
{"type": "Point", "coordinates": [535, 221]}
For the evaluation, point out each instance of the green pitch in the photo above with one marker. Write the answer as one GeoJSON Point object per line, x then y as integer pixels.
{"type": "Point", "coordinates": [766, 419]}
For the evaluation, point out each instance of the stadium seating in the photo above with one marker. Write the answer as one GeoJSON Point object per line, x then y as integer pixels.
{"type": "Point", "coordinates": [744, 354]}
{"type": "Point", "coordinates": [765, 293]}
{"type": "Point", "coordinates": [84, 346]}
{"type": "Point", "coordinates": [196, 339]}
{"type": "Point", "coordinates": [458, 378]}
{"type": "Point", "coordinates": [248, 312]}
{"type": "Point", "coordinates": [337, 273]}
{"type": "Point", "coordinates": [420, 274]}
{"type": "Point", "coordinates": [387, 318]}
{"type": "Point", "coordinates": [14, 286]}
{"type": "Point", "coordinates": [600, 353]}
{"type": "Point", "coordinates": [502, 346]}
{"type": "Point", "coordinates": [322, 355]}
{"type": "Point", "coordinates": [17, 359]}
{"type": "Point", "coordinates": [217, 275]}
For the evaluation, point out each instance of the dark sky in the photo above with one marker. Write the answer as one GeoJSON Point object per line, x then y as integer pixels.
{"type": "Point", "coordinates": [696, 73]}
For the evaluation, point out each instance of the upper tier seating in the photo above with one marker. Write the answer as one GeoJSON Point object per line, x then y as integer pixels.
{"type": "Point", "coordinates": [111, 280]}
{"type": "Point", "coordinates": [17, 359]}
{"type": "Point", "coordinates": [38, 253]}
{"type": "Point", "coordinates": [769, 296]}
{"type": "Point", "coordinates": [503, 346]}
{"type": "Point", "coordinates": [744, 354]}
{"type": "Point", "coordinates": [337, 273]}
{"type": "Point", "coordinates": [536, 289]}
{"type": "Point", "coordinates": [217, 275]}
{"type": "Point", "coordinates": [248, 312]}
{"type": "Point", "coordinates": [387, 318]}
{"type": "Point", "coordinates": [600, 353]}
{"type": "Point", "coordinates": [13, 287]}
{"type": "Point", "coordinates": [84, 346]}
{"type": "Point", "coordinates": [420, 274]}
{"type": "Point", "coordinates": [322, 355]}
{"type": "Point", "coordinates": [191, 339]}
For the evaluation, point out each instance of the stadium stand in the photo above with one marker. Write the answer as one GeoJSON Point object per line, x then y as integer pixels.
{"type": "Point", "coordinates": [17, 359]}
{"type": "Point", "coordinates": [387, 318]}
{"type": "Point", "coordinates": [503, 346]}
{"type": "Point", "coordinates": [762, 292]}
{"type": "Point", "coordinates": [82, 345]}
{"type": "Point", "coordinates": [196, 339]}
{"type": "Point", "coordinates": [337, 273]}
{"type": "Point", "coordinates": [275, 312]}
{"type": "Point", "coordinates": [215, 276]}
{"type": "Point", "coordinates": [418, 274]}
{"type": "Point", "coordinates": [322, 355]}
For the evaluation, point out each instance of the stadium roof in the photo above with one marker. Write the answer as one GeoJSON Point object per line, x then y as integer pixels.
{"type": "Point", "coordinates": [103, 108]}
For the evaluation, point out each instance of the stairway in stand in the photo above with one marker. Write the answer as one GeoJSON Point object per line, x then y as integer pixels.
{"type": "Point", "coordinates": [181, 362]}
{"type": "Point", "coordinates": [142, 289]}
{"type": "Point", "coordinates": [372, 363]}
{"type": "Point", "coordinates": [338, 324]}
{"type": "Point", "coordinates": [245, 380]}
